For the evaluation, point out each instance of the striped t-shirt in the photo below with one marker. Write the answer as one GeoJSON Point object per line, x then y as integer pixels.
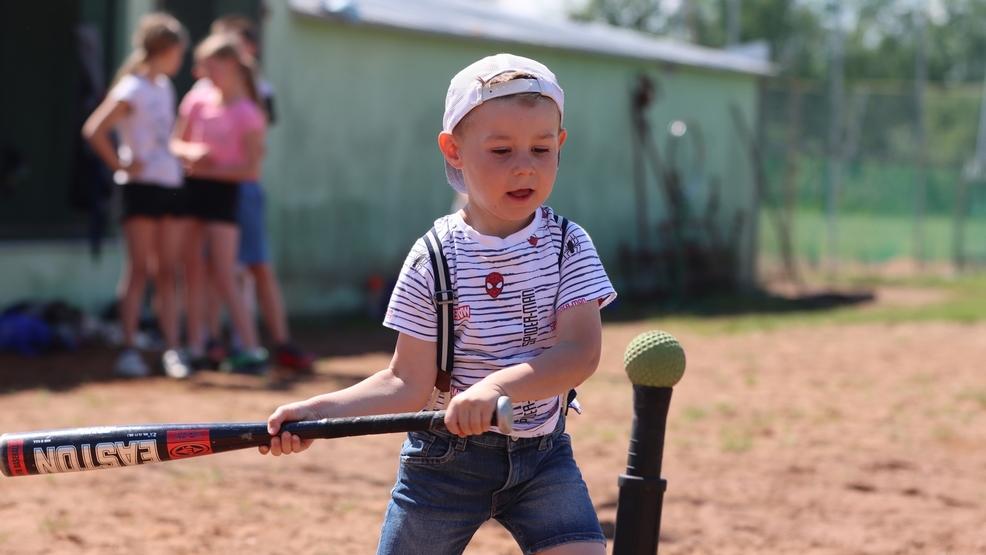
{"type": "Point", "coordinates": [508, 293]}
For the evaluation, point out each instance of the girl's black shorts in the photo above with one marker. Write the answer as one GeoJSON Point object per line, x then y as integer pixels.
{"type": "Point", "coordinates": [212, 201]}
{"type": "Point", "coordinates": [153, 201]}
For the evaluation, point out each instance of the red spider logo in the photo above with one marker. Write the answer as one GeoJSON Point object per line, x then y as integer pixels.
{"type": "Point", "coordinates": [494, 284]}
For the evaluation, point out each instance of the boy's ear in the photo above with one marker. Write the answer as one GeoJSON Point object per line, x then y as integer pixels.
{"type": "Point", "coordinates": [450, 149]}
{"type": "Point", "coordinates": [562, 135]}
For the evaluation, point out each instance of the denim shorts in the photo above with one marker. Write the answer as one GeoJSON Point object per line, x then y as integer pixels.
{"type": "Point", "coordinates": [250, 217]}
{"type": "Point", "coordinates": [447, 487]}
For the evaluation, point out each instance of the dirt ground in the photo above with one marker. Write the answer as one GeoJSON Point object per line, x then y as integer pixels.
{"type": "Point", "coordinates": [809, 440]}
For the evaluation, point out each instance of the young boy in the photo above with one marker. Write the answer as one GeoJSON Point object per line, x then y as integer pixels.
{"type": "Point", "coordinates": [526, 325]}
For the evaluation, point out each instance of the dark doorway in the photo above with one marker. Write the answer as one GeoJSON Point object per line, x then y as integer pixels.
{"type": "Point", "coordinates": [52, 71]}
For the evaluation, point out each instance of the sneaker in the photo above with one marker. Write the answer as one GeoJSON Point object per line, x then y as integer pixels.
{"type": "Point", "coordinates": [215, 353]}
{"type": "Point", "coordinates": [246, 362]}
{"type": "Point", "coordinates": [201, 363]}
{"type": "Point", "coordinates": [131, 365]}
{"type": "Point", "coordinates": [176, 364]}
{"type": "Point", "coordinates": [293, 357]}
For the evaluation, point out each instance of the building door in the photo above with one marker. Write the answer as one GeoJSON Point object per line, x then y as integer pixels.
{"type": "Point", "coordinates": [52, 74]}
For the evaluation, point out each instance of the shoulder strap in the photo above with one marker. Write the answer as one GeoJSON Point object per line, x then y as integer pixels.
{"type": "Point", "coordinates": [563, 223]}
{"type": "Point", "coordinates": [444, 299]}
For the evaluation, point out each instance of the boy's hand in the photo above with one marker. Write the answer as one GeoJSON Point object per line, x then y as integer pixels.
{"type": "Point", "coordinates": [470, 412]}
{"type": "Point", "coordinates": [288, 443]}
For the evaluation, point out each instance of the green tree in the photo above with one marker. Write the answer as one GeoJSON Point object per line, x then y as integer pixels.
{"type": "Point", "coordinates": [793, 30]}
{"type": "Point", "coordinates": [880, 35]}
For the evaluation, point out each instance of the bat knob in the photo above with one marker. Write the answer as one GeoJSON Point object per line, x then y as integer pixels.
{"type": "Point", "coordinates": [504, 417]}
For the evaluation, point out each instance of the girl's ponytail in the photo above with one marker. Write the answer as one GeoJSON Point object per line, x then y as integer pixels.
{"type": "Point", "coordinates": [248, 69]}
{"type": "Point", "coordinates": [130, 65]}
{"type": "Point", "coordinates": [155, 33]}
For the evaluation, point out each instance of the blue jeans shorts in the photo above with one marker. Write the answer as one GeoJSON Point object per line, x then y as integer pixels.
{"type": "Point", "coordinates": [250, 217]}
{"type": "Point", "coordinates": [448, 486]}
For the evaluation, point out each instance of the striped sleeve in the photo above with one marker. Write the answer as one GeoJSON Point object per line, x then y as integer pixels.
{"type": "Point", "coordinates": [583, 277]}
{"type": "Point", "coordinates": [412, 309]}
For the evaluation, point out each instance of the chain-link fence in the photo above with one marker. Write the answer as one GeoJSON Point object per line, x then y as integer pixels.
{"type": "Point", "coordinates": [901, 192]}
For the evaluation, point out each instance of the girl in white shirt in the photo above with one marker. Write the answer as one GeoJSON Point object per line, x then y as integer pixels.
{"type": "Point", "coordinates": [141, 108]}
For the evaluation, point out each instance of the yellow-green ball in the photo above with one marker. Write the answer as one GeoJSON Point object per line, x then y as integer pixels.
{"type": "Point", "coordinates": [654, 358]}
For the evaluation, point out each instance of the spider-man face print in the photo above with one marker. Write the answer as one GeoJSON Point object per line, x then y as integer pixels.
{"type": "Point", "coordinates": [494, 284]}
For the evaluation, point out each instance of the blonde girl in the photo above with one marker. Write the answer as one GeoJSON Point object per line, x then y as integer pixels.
{"type": "Point", "coordinates": [140, 107]}
{"type": "Point", "coordinates": [219, 137]}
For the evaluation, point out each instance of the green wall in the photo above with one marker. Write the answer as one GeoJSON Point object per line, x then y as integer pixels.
{"type": "Point", "coordinates": [354, 174]}
{"type": "Point", "coordinates": [59, 270]}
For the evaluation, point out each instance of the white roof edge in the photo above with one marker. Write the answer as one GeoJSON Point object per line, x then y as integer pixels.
{"type": "Point", "coordinates": [472, 20]}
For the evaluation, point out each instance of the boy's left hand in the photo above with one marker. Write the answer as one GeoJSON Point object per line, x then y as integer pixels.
{"type": "Point", "coordinates": [470, 412]}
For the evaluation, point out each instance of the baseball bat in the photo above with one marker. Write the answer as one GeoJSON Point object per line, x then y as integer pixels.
{"type": "Point", "coordinates": [102, 447]}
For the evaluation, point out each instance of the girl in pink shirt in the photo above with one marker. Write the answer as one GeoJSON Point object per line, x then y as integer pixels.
{"type": "Point", "coordinates": [219, 137]}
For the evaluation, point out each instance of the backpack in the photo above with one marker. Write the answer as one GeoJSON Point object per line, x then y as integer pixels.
{"type": "Point", "coordinates": [445, 300]}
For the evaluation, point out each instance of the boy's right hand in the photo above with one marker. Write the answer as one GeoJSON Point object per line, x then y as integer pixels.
{"type": "Point", "coordinates": [288, 443]}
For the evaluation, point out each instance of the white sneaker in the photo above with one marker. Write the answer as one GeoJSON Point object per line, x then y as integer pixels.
{"type": "Point", "coordinates": [131, 364]}
{"type": "Point", "coordinates": [175, 364]}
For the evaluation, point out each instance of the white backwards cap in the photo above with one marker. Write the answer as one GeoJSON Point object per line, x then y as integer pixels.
{"type": "Point", "coordinates": [469, 89]}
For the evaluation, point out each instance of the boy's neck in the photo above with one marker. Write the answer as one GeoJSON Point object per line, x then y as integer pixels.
{"type": "Point", "coordinates": [493, 227]}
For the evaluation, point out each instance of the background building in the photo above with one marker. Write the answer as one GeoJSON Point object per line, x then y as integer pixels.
{"type": "Point", "coordinates": [353, 171]}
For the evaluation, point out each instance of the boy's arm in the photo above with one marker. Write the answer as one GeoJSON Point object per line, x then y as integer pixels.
{"type": "Point", "coordinates": [404, 386]}
{"type": "Point", "coordinates": [556, 370]}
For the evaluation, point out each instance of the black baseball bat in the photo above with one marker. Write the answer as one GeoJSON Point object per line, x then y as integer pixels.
{"type": "Point", "coordinates": [102, 447]}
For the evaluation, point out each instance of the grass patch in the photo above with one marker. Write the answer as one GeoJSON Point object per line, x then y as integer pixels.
{"type": "Point", "coordinates": [345, 507]}
{"type": "Point", "coordinates": [693, 414]}
{"type": "Point", "coordinates": [43, 396]}
{"type": "Point", "coordinates": [943, 433]}
{"type": "Point", "coordinates": [870, 237]}
{"type": "Point", "coordinates": [726, 410]}
{"type": "Point", "coordinates": [288, 510]}
{"type": "Point", "coordinates": [977, 396]}
{"type": "Point", "coordinates": [962, 300]}
{"type": "Point", "coordinates": [94, 401]}
{"type": "Point", "coordinates": [54, 525]}
{"type": "Point", "coordinates": [735, 439]}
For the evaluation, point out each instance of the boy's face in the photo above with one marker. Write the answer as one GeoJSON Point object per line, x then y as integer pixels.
{"type": "Point", "coordinates": [508, 154]}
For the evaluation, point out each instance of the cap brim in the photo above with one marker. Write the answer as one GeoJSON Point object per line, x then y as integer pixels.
{"type": "Point", "coordinates": [455, 178]}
